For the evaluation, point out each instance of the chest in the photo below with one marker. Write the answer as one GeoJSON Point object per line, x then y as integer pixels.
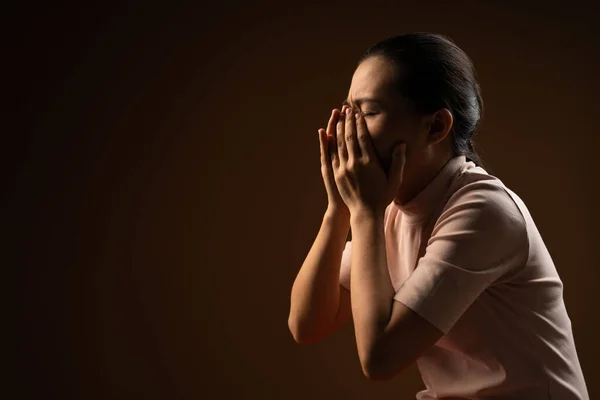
{"type": "Point", "coordinates": [405, 245]}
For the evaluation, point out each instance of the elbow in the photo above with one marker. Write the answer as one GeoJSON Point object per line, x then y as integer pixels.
{"type": "Point", "coordinates": [371, 366]}
{"type": "Point", "coordinates": [376, 376]}
{"type": "Point", "coordinates": [304, 339]}
{"type": "Point", "coordinates": [377, 373]}
{"type": "Point", "coordinates": [379, 368]}
{"type": "Point", "coordinates": [374, 372]}
{"type": "Point", "coordinates": [293, 327]}
{"type": "Point", "coordinates": [300, 335]}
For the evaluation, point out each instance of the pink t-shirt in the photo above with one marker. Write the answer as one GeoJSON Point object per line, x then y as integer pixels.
{"type": "Point", "coordinates": [465, 255]}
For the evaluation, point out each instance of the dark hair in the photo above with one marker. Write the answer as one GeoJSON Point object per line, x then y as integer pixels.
{"type": "Point", "coordinates": [436, 74]}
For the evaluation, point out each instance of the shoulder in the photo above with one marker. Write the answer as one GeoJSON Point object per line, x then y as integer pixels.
{"type": "Point", "coordinates": [483, 201]}
{"type": "Point", "coordinates": [481, 227]}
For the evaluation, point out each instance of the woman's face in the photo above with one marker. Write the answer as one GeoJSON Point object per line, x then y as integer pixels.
{"type": "Point", "coordinates": [389, 117]}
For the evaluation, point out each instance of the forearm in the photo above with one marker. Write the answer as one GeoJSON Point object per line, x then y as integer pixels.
{"type": "Point", "coordinates": [315, 292]}
{"type": "Point", "coordinates": [371, 291]}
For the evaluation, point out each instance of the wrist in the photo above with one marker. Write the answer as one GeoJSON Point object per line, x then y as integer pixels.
{"type": "Point", "coordinates": [366, 214]}
{"type": "Point", "coordinates": [337, 213]}
{"type": "Point", "coordinates": [337, 218]}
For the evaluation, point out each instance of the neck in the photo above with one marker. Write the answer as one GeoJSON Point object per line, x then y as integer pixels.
{"type": "Point", "coordinates": [418, 177]}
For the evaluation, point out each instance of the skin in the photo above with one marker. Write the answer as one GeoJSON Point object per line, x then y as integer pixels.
{"type": "Point", "coordinates": [390, 336]}
{"type": "Point", "coordinates": [428, 146]}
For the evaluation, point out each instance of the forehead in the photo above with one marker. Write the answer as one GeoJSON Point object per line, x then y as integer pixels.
{"type": "Point", "coordinates": [374, 77]}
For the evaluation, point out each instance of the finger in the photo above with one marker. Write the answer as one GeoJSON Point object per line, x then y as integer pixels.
{"type": "Point", "coordinates": [341, 140]}
{"type": "Point", "coordinates": [364, 140]}
{"type": "Point", "coordinates": [337, 118]}
{"type": "Point", "coordinates": [332, 121]}
{"type": "Point", "coordinates": [326, 166]}
{"type": "Point", "coordinates": [352, 146]}
{"type": "Point", "coordinates": [325, 160]}
{"type": "Point", "coordinates": [333, 151]}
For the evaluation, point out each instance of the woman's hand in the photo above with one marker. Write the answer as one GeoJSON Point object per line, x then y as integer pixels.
{"type": "Point", "coordinates": [328, 143]}
{"type": "Point", "coordinates": [360, 179]}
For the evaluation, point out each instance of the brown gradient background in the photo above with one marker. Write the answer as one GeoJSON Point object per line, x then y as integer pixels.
{"type": "Point", "coordinates": [162, 185]}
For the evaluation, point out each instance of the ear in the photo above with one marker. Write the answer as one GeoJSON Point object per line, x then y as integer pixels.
{"type": "Point", "coordinates": [439, 124]}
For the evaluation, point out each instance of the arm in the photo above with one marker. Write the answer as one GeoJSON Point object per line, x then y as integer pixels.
{"type": "Point", "coordinates": [317, 295]}
{"type": "Point", "coordinates": [389, 335]}
{"type": "Point", "coordinates": [463, 258]}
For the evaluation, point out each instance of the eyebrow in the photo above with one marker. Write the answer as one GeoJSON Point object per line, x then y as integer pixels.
{"type": "Point", "coordinates": [361, 100]}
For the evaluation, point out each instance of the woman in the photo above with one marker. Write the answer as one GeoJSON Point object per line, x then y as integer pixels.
{"type": "Point", "coordinates": [446, 266]}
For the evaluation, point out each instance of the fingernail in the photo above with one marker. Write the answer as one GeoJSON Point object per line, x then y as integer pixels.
{"type": "Point", "coordinates": [348, 111]}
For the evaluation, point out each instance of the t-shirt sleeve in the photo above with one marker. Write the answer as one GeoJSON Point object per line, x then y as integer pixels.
{"type": "Point", "coordinates": [479, 236]}
{"type": "Point", "coordinates": [345, 267]}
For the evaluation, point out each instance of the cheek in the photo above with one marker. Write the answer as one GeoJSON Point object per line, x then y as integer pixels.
{"type": "Point", "coordinates": [389, 132]}
{"type": "Point", "coordinates": [374, 128]}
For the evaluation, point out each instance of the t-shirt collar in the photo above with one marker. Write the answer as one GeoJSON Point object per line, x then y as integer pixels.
{"type": "Point", "coordinates": [420, 207]}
